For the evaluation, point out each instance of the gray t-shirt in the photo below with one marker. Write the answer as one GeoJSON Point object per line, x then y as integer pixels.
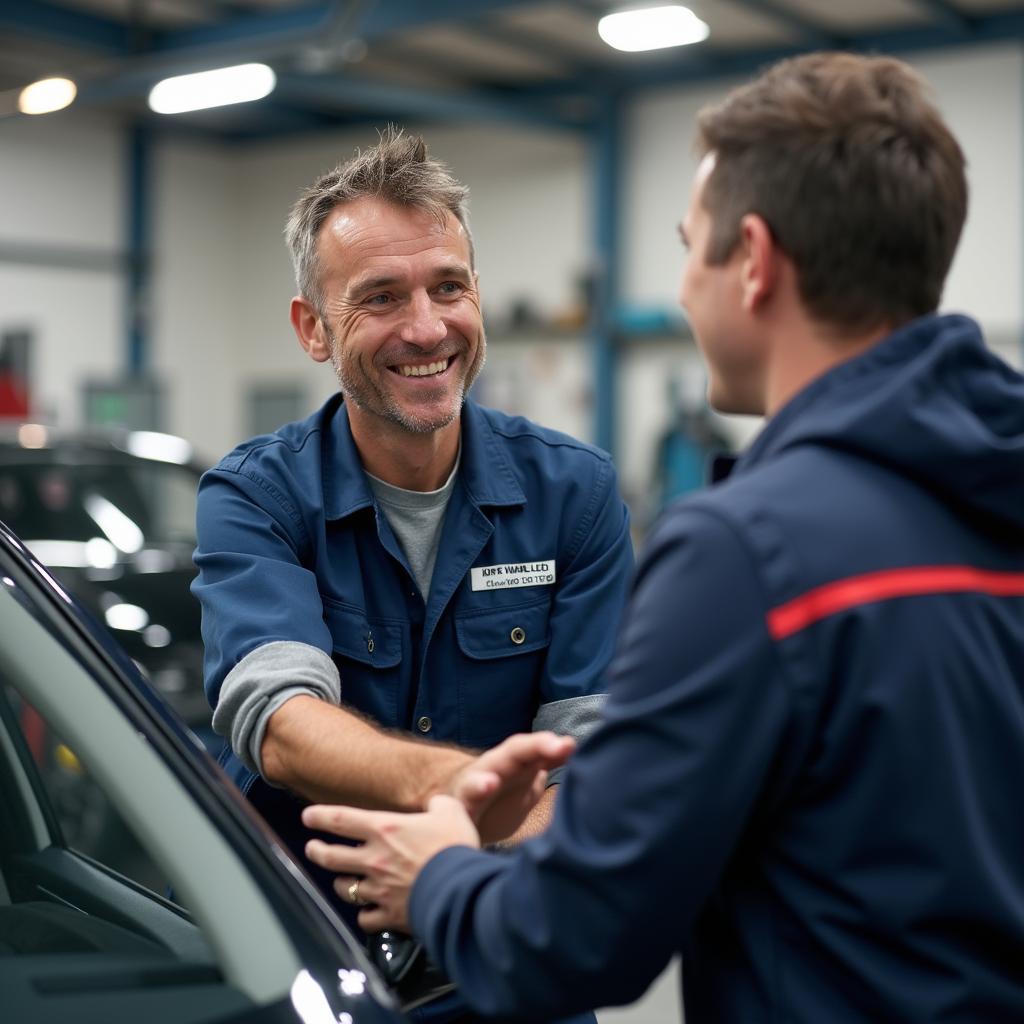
{"type": "Point", "coordinates": [416, 517]}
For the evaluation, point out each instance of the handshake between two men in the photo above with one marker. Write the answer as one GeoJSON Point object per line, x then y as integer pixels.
{"type": "Point", "coordinates": [487, 801]}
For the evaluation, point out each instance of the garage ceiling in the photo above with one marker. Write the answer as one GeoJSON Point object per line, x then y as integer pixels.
{"type": "Point", "coordinates": [356, 60]}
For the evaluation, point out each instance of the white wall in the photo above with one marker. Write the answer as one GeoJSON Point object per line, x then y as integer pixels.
{"type": "Point", "coordinates": [63, 180]}
{"type": "Point", "coordinates": [222, 278]}
{"type": "Point", "coordinates": [63, 187]}
{"type": "Point", "coordinates": [980, 92]}
{"type": "Point", "coordinates": [198, 293]}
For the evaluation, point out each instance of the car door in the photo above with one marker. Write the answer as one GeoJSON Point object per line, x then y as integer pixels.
{"type": "Point", "coordinates": [218, 924]}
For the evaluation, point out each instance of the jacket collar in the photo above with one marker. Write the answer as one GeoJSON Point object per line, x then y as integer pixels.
{"type": "Point", "coordinates": [813, 413]}
{"type": "Point", "coordinates": [485, 470]}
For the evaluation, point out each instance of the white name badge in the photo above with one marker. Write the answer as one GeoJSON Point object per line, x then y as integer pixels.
{"type": "Point", "coordinates": [514, 574]}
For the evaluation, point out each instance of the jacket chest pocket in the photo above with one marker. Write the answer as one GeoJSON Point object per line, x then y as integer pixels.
{"type": "Point", "coordinates": [502, 654]}
{"type": "Point", "coordinates": [368, 653]}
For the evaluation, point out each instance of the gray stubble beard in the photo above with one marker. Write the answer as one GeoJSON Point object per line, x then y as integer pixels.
{"type": "Point", "coordinates": [366, 395]}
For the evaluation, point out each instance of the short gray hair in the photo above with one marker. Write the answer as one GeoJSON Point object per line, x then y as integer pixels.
{"type": "Point", "coordinates": [398, 170]}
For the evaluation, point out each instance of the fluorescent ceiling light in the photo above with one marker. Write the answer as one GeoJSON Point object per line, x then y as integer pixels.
{"type": "Point", "coordinates": [240, 84]}
{"type": "Point", "coordinates": [47, 95]}
{"type": "Point", "coordinates": [652, 28]}
{"type": "Point", "coordinates": [127, 616]}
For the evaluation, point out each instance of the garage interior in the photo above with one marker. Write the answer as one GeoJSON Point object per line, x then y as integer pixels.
{"type": "Point", "coordinates": [144, 282]}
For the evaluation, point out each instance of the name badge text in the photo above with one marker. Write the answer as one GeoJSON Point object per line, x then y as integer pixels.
{"type": "Point", "coordinates": [514, 574]}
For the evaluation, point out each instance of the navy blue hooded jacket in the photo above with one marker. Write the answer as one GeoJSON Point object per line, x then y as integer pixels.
{"type": "Point", "coordinates": [809, 779]}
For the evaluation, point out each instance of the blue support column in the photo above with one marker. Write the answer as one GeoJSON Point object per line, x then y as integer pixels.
{"type": "Point", "coordinates": [138, 252]}
{"type": "Point", "coordinates": [607, 187]}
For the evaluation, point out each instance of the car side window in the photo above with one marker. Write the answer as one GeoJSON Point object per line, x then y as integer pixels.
{"type": "Point", "coordinates": [79, 937]}
{"type": "Point", "coordinates": [78, 929]}
{"type": "Point", "coordinates": [87, 818]}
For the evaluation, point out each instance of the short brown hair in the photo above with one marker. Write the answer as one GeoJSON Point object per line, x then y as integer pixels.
{"type": "Point", "coordinates": [399, 170]}
{"type": "Point", "coordinates": [861, 182]}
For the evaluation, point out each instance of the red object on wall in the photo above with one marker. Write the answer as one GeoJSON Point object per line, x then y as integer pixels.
{"type": "Point", "coordinates": [13, 396]}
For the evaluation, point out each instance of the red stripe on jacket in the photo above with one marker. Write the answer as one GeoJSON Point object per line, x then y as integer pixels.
{"type": "Point", "coordinates": [840, 595]}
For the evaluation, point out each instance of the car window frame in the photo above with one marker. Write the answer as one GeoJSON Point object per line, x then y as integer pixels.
{"type": "Point", "coordinates": [313, 929]}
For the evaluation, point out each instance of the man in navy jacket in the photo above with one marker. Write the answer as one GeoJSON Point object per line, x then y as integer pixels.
{"type": "Point", "coordinates": [808, 776]}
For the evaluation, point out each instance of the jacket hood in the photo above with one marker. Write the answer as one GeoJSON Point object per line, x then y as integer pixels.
{"type": "Point", "coordinates": [932, 402]}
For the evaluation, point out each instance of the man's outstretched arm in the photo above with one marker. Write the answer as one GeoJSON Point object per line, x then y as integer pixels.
{"type": "Point", "coordinates": [328, 753]}
{"type": "Point", "coordinates": [648, 815]}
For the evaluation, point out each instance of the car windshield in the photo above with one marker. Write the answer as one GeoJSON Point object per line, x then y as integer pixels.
{"type": "Point", "coordinates": [117, 506]}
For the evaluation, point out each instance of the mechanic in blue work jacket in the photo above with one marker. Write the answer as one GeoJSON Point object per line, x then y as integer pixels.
{"type": "Point", "coordinates": [404, 566]}
{"type": "Point", "coordinates": [808, 776]}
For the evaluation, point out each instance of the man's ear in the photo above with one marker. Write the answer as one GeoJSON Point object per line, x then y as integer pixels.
{"type": "Point", "coordinates": [761, 255]}
{"type": "Point", "coordinates": [309, 329]}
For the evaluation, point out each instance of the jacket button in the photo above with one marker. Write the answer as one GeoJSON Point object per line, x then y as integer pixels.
{"type": "Point", "coordinates": [518, 635]}
{"type": "Point", "coordinates": [369, 644]}
{"type": "Point", "coordinates": [424, 724]}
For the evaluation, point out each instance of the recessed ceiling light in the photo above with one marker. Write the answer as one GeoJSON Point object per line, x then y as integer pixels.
{"type": "Point", "coordinates": [47, 95]}
{"type": "Point", "coordinates": [652, 28]}
{"type": "Point", "coordinates": [239, 84]}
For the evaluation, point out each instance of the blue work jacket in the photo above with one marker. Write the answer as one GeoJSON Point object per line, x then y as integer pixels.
{"type": "Point", "coordinates": [294, 547]}
{"type": "Point", "coordinates": [808, 778]}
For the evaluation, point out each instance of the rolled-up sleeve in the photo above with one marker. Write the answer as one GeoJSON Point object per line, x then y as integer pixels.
{"type": "Point", "coordinates": [260, 683]}
{"type": "Point", "coordinates": [261, 607]}
{"type": "Point", "coordinates": [575, 716]}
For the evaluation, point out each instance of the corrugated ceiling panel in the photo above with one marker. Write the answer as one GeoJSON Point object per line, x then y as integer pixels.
{"type": "Point", "coordinates": [862, 16]}
{"type": "Point", "coordinates": [475, 53]}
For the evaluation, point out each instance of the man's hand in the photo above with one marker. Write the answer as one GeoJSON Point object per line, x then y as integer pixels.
{"type": "Point", "coordinates": [502, 785]}
{"type": "Point", "coordinates": [382, 870]}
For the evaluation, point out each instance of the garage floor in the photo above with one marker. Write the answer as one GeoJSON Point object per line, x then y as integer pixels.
{"type": "Point", "coordinates": [659, 1006]}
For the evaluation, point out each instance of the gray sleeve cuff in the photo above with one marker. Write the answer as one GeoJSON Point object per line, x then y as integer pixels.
{"type": "Point", "coordinates": [575, 716]}
{"type": "Point", "coordinates": [260, 683]}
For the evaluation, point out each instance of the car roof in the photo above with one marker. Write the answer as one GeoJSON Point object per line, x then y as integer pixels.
{"type": "Point", "coordinates": [28, 442]}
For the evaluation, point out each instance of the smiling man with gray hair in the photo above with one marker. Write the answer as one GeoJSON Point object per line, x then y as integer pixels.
{"type": "Point", "coordinates": [404, 566]}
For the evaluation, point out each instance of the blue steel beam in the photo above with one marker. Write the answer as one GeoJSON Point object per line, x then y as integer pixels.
{"type": "Point", "coordinates": [706, 63]}
{"type": "Point", "coordinates": [380, 20]}
{"type": "Point", "coordinates": [232, 39]}
{"type": "Point", "coordinates": [241, 135]}
{"type": "Point", "coordinates": [137, 230]}
{"type": "Point", "coordinates": [364, 96]}
{"type": "Point", "coordinates": [606, 165]}
{"type": "Point", "coordinates": [945, 13]}
{"type": "Point", "coordinates": [535, 44]}
{"type": "Point", "coordinates": [62, 25]}
{"type": "Point", "coordinates": [62, 257]}
{"type": "Point", "coordinates": [249, 31]}
{"type": "Point", "coordinates": [264, 36]}
{"type": "Point", "coordinates": [808, 33]}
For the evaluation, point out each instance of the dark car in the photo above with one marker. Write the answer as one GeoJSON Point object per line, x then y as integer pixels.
{"type": "Point", "coordinates": [113, 517]}
{"type": "Point", "coordinates": [245, 938]}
